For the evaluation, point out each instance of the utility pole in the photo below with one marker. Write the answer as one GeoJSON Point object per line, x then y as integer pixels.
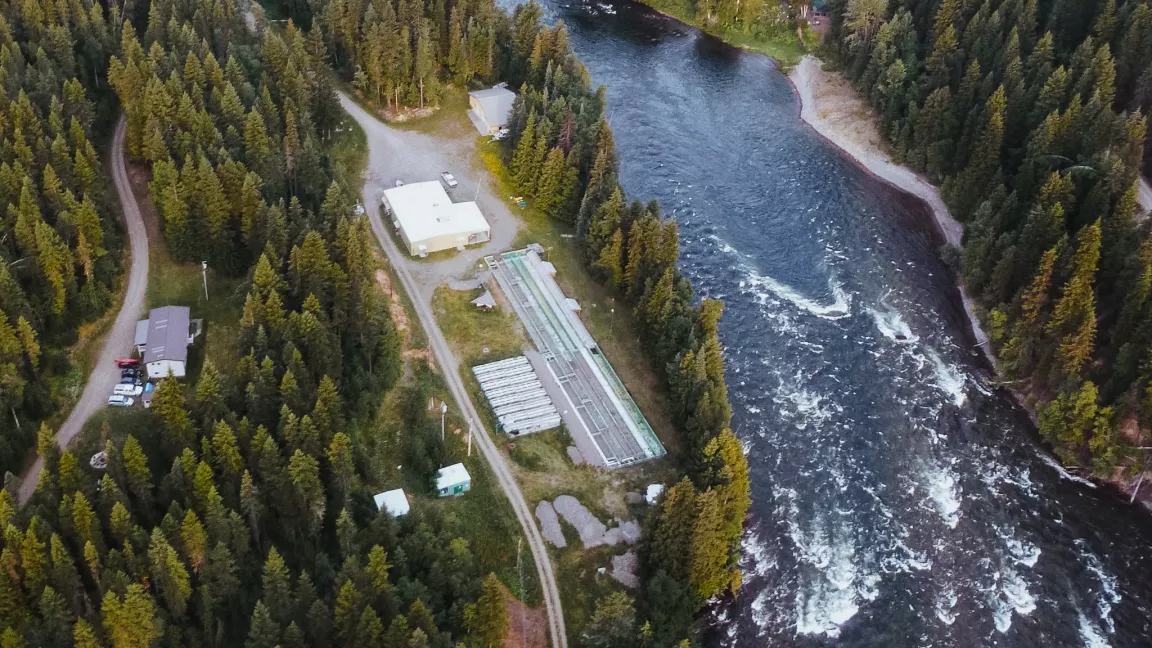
{"type": "Point", "coordinates": [204, 273]}
{"type": "Point", "coordinates": [443, 411]}
{"type": "Point", "coordinates": [469, 438]}
{"type": "Point", "coordinates": [478, 190]}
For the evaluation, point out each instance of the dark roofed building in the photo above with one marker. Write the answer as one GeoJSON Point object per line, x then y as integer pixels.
{"type": "Point", "coordinates": [166, 345]}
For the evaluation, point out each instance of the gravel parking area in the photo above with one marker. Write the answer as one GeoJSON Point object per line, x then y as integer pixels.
{"type": "Point", "coordinates": [410, 156]}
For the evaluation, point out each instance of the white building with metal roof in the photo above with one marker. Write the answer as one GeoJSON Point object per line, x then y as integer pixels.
{"type": "Point", "coordinates": [453, 480]}
{"type": "Point", "coordinates": [491, 108]}
{"type": "Point", "coordinates": [428, 221]}
{"type": "Point", "coordinates": [393, 501]}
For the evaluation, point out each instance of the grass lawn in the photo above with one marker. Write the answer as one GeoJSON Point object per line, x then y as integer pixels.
{"type": "Point", "coordinates": [610, 322]}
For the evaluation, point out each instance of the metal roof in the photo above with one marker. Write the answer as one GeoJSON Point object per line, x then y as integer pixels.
{"type": "Point", "coordinates": [167, 334]}
{"type": "Point", "coordinates": [486, 300]}
{"type": "Point", "coordinates": [452, 475]}
{"type": "Point", "coordinates": [142, 332]}
{"type": "Point", "coordinates": [394, 501]}
{"type": "Point", "coordinates": [496, 104]}
{"type": "Point", "coordinates": [425, 211]}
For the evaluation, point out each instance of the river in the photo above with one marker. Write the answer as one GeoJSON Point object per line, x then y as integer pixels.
{"type": "Point", "coordinates": [897, 500]}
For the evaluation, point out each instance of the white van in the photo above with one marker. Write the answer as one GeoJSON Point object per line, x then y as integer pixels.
{"type": "Point", "coordinates": [121, 401]}
{"type": "Point", "coordinates": [127, 390]}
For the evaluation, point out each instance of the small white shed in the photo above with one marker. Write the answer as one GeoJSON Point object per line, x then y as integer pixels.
{"type": "Point", "coordinates": [453, 480]}
{"type": "Point", "coordinates": [393, 501]}
{"type": "Point", "coordinates": [490, 108]}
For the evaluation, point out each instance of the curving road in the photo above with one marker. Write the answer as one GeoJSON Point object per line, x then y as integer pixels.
{"type": "Point", "coordinates": [379, 138]}
{"type": "Point", "coordinates": [119, 341]}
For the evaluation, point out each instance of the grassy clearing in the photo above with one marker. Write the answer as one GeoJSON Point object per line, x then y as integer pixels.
{"type": "Point", "coordinates": [610, 322]}
{"type": "Point", "coordinates": [449, 118]}
{"type": "Point", "coordinates": [181, 284]}
{"type": "Point", "coordinates": [580, 583]}
{"type": "Point", "coordinates": [483, 516]}
{"type": "Point", "coordinates": [784, 45]}
{"type": "Point", "coordinates": [470, 330]}
{"type": "Point", "coordinates": [348, 152]}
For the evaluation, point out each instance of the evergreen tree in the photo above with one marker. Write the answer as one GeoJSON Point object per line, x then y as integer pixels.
{"type": "Point", "coordinates": [488, 618]}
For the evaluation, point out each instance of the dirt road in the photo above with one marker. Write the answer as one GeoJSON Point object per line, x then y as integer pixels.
{"type": "Point", "coordinates": [119, 342]}
{"type": "Point", "coordinates": [386, 150]}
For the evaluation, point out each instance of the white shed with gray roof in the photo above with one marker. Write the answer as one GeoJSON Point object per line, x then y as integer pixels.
{"type": "Point", "coordinates": [490, 108]}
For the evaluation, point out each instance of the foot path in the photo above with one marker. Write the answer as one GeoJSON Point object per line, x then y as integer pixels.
{"type": "Point", "coordinates": [380, 137]}
{"type": "Point", "coordinates": [119, 341]}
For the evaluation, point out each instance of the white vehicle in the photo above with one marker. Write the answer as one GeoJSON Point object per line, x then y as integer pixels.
{"type": "Point", "coordinates": [500, 134]}
{"type": "Point", "coordinates": [449, 180]}
{"type": "Point", "coordinates": [127, 390]}
{"type": "Point", "coordinates": [121, 401]}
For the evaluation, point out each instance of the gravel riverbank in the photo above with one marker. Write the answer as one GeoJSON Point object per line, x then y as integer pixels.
{"type": "Point", "coordinates": [840, 115]}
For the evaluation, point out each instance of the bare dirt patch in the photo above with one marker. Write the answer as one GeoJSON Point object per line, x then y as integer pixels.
{"type": "Point", "coordinates": [526, 626]}
{"type": "Point", "coordinates": [395, 304]}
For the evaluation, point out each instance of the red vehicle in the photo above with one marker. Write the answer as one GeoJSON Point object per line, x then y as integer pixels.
{"type": "Point", "coordinates": [125, 363]}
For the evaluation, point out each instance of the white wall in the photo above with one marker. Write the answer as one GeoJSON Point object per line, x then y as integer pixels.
{"type": "Point", "coordinates": [159, 369]}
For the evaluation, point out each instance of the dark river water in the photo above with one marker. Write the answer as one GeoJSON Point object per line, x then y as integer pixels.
{"type": "Point", "coordinates": [897, 500]}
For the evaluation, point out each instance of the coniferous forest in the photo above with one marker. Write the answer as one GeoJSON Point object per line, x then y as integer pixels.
{"type": "Point", "coordinates": [1033, 118]}
{"type": "Point", "coordinates": [59, 237]}
{"type": "Point", "coordinates": [241, 514]}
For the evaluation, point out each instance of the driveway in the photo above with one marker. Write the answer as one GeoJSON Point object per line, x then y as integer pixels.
{"type": "Point", "coordinates": [422, 157]}
{"type": "Point", "coordinates": [105, 376]}
{"type": "Point", "coordinates": [410, 156]}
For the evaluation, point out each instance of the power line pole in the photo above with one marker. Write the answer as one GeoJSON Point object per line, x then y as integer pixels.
{"type": "Point", "coordinates": [443, 412]}
{"type": "Point", "coordinates": [204, 273]}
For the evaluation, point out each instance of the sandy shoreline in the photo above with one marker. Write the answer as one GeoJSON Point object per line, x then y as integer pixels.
{"type": "Point", "coordinates": [837, 112]}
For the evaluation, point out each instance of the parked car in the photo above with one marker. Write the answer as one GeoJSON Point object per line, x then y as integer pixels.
{"type": "Point", "coordinates": [125, 373]}
{"type": "Point", "coordinates": [127, 390]}
{"type": "Point", "coordinates": [121, 401]}
{"type": "Point", "coordinates": [125, 363]}
{"type": "Point", "coordinates": [449, 180]}
{"type": "Point", "coordinates": [500, 134]}
{"type": "Point", "coordinates": [148, 391]}
{"type": "Point", "coordinates": [129, 380]}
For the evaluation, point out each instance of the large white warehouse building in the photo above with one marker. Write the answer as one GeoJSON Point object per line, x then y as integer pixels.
{"type": "Point", "coordinates": [428, 221]}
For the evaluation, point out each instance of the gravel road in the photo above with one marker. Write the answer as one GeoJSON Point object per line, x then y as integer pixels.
{"type": "Point", "coordinates": [119, 341]}
{"type": "Point", "coordinates": [423, 156]}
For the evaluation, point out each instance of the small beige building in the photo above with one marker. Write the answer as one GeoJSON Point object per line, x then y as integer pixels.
{"type": "Point", "coordinates": [428, 221]}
